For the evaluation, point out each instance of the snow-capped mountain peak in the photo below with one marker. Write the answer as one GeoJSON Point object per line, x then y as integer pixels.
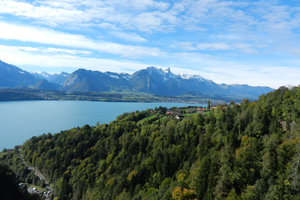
{"type": "Point", "coordinates": [118, 75]}
{"type": "Point", "coordinates": [127, 77]}
{"type": "Point", "coordinates": [187, 76]}
{"type": "Point", "coordinates": [111, 75]}
{"type": "Point", "coordinates": [184, 76]}
{"type": "Point", "coordinates": [154, 70]}
{"type": "Point", "coordinates": [167, 70]}
{"type": "Point", "coordinates": [55, 78]}
{"type": "Point", "coordinates": [166, 74]}
{"type": "Point", "coordinates": [45, 74]}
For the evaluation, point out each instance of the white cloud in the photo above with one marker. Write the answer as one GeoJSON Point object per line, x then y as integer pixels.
{"type": "Point", "coordinates": [48, 36]}
{"type": "Point", "coordinates": [68, 51]}
{"type": "Point", "coordinates": [257, 31]}
{"type": "Point", "coordinates": [43, 49]}
{"type": "Point", "coordinates": [251, 75]}
{"type": "Point", "coordinates": [157, 16]}
{"type": "Point", "coordinates": [154, 21]}
{"type": "Point", "coordinates": [106, 26]}
{"type": "Point", "coordinates": [187, 46]}
{"type": "Point", "coordinates": [28, 59]}
{"type": "Point", "coordinates": [47, 15]}
{"type": "Point", "coordinates": [213, 46]}
{"type": "Point", "coordinates": [140, 5]}
{"type": "Point", "coordinates": [133, 37]}
{"type": "Point", "coordinates": [254, 73]}
{"type": "Point", "coordinates": [112, 14]}
{"type": "Point", "coordinates": [230, 73]}
{"type": "Point", "coordinates": [207, 66]}
{"type": "Point", "coordinates": [178, 7]}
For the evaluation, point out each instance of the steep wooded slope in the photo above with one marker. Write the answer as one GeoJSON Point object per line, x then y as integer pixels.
{"type": "Point", "coordinates": [249, 151]}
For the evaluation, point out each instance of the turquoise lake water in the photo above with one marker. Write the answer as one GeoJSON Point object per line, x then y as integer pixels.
{"type": "Point", "coordinates": [21, 120]}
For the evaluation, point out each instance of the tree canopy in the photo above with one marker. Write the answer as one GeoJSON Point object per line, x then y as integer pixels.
{"type": "Point", "coordinates": [241, 151]}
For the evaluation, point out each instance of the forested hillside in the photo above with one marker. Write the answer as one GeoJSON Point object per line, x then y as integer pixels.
{"type": "Point", "coordinates": [247, 151]}
{"type": "Point", "coordinates": [9, 186]}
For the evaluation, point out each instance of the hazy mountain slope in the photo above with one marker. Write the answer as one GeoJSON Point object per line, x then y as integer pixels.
{"type": "Point", "coordinates": [59, 78]}
{"type": "Point", "coordinates": [46, 85]}
{"type": "Point", "coordinates": [12, 76]}
{"type": "Point", "coordinates": [54, 78]}
{"type": "Point", "coordinates": [155, 81]}
{"type": "Point", "coordinates": [150, 80]}
{"type": "Point", "coordinates": [87, 80]}
{"type": "Point", "coordinates": [246, 89]}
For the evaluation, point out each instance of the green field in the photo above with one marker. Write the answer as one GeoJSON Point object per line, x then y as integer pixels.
{"type": "Point", "coordinates": [145, 119]}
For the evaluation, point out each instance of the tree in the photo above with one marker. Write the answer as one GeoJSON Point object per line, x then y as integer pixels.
{"type": "Point", "coordinates": [202, 182]}
{"type": "Point", "coordinates": [9, 189]}
{"type": "Point", "coordinates": [208, 105]}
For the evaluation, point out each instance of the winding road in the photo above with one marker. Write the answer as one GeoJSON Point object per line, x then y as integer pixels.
{"type": "Point", "coordinates": [37, 172]}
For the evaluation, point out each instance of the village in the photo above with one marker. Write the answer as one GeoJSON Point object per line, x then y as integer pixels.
{"type": "Point", "coordinates": [47, 191]}
{"type": "Point", "coordinates": [157, 115]}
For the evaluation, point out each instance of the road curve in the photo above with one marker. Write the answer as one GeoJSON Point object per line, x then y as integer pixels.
{"type": "Point", "coordinates": [37, 172]}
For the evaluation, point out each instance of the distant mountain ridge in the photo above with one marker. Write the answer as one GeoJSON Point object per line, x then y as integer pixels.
{"type": "Point", "coordinates": [54, 78]}
{"type": "Point", "coordinates": [46, 85]}
{"type": "Point", "coordinates": [94, 81]}
{"type": "Point", "coordinates": [12, 76]}
{"type": "Point", "coordinates": [151, 80]}
{"type": "Point", "coordinates": [155, 81]}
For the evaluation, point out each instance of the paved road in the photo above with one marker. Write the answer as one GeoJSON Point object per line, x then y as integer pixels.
{"type": "Point", "coordinates": [37, 172]}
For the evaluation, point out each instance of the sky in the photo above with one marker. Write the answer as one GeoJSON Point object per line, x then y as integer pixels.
{"type": "Point", "coordinates": [233, 42]}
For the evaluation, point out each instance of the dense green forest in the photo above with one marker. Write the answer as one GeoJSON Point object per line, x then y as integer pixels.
{"type": "Point", "coordinates": [244, 151]}
{"type": "Point", "coordinates": [9, 186]}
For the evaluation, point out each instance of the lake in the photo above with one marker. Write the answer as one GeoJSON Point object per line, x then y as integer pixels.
{"type": "Point", "coordinates": [20, 120]}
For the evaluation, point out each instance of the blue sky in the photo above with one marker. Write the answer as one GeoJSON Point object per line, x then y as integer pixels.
{"type": "Point", "coordinates": [242, 42]}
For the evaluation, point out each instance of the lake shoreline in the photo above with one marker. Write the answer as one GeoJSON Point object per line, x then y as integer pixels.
{"type": "Point", "coordinates": [21, 120]}
{"type": "Point", "coordinates": [22, 94]}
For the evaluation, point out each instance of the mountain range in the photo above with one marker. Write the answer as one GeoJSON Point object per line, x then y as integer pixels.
{"type": "Point", "coordinates": [12, 76]}
{"type": "Point", "coordinates": [54, 78]}
{"type": "Point", "coordinates": [151, 80]}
